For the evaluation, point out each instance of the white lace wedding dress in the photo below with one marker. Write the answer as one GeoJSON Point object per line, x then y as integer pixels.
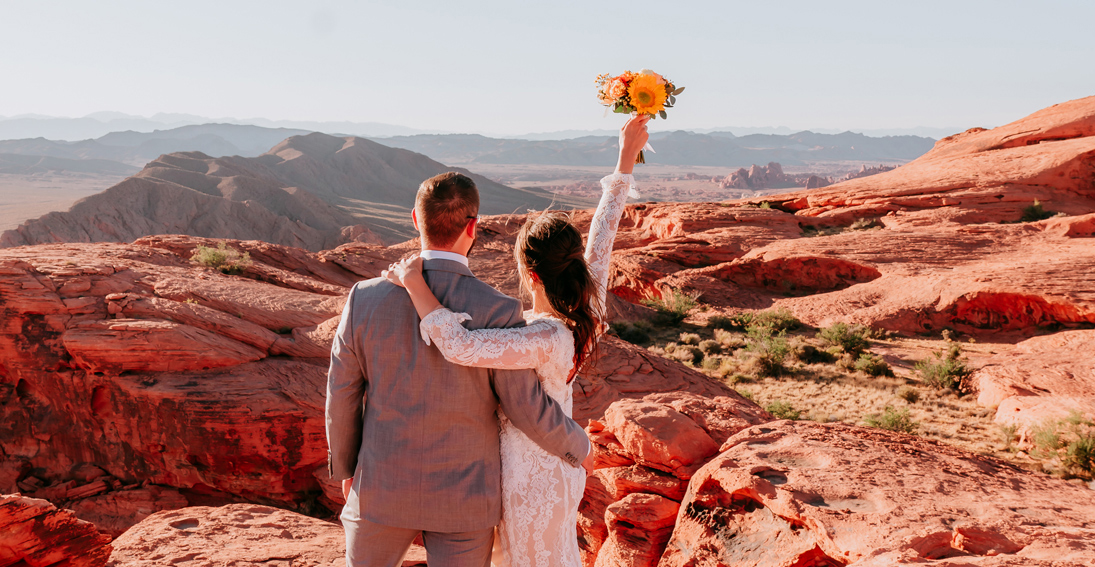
{"type": "Point", "coordinates": [540, 492]}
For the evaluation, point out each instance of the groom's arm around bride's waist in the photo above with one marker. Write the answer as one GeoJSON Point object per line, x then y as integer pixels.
{"type": "Point", "coordinates": [531, 410]}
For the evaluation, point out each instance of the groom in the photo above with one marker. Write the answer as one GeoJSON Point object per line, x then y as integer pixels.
{"type": "Point", "coordinates": [414, 438]}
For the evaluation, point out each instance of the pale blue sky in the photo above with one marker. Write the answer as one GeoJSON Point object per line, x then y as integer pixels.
{"type": "Point", "coordinates": [511, 67]}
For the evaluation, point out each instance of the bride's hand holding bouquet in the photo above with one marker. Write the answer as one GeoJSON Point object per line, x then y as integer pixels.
{"type": "Point", "coordinates": [643, 93]}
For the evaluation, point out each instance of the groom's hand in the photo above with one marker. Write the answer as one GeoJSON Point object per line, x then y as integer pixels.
{"type": "Point", "coordinates": [587, 464]}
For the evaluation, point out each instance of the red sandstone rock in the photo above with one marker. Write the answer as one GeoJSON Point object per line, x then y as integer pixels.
{"type": "Point", "coordinates": [639, 526]}
{"type": "Point", "coordinates": [115, 512]}
{"type": "Point", "coordinates": [1042, 379]}
{"type": "Point", "coordinates": [645, 452]}
{"type": "Point", "coordinates": [131, 358]}
{"type": "Point", "coordinates": [36, 534]}
{"type": "Point", "coordinates": [235, 534]}
{"type": "Point", "coordinates": [801, 493]}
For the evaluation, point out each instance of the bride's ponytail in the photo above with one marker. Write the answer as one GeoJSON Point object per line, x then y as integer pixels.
{"type": "Point", "coordinates": [552, 249]}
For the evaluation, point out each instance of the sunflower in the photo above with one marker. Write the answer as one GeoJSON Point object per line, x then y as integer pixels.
{"type": "Point", "coordinates": [647, 96]}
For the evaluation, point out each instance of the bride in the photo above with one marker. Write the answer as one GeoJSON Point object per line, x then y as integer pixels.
{"type": "Point", "coordinates": [540, 493]}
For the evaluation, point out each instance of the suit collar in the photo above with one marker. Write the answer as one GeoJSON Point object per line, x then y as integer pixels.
{"type": "Point", "coordinates": [440, 265]}
{"type": "Point", "coordinates": [444, 255]}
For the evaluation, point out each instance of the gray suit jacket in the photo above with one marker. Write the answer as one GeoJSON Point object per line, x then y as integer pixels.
{"type": "Point", "coordinates": [418, 433]}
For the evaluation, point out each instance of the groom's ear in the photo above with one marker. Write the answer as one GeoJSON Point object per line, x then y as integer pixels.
{"type": "Point", "coordinates": [470, 229]}
{"type": "Point", "coordinates": [414, 219]}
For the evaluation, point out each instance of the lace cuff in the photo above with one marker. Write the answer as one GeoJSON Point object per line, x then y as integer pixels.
{"type": "Point", "coordinates": [614, 180]}
{"type": "Point", "coordinates": [435, 320]}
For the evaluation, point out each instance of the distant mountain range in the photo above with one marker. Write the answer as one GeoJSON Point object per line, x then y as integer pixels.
{"type": "Point", "coordinates": [721, 149]}
{"type": "Point", "coordinates": [311, 191]}
{"type": "Point", "coordinates": [102, 123]}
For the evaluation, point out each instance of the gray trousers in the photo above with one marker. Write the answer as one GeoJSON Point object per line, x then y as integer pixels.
{"type": "Point", "coordinates": [374, 545]}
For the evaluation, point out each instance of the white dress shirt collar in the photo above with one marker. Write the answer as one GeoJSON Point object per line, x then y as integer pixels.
{"type": "Point", "coordinates": [443, 255]}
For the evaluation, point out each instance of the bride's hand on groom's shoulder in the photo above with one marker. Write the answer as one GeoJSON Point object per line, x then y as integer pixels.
{"type": "Point", "coordinates": [399, 272]}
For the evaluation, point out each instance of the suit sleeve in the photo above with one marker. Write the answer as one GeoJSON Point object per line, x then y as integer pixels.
{"type": "Point", "coordinates": [346, 382]}
{"type": "Point", "coordinates": [525, 403]}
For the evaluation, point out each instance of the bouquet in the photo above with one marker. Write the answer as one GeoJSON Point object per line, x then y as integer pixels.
{"type": "Point", "coordinates": [645, 92]}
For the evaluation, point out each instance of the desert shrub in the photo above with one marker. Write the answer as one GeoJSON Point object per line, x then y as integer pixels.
{"type": "Point", "coordinates": [776, 320]}
{"type": "Point", "coordinates": [634, 333]}
{"type": "Point", "coordinates": [770, 350]}
{"type": "Point", "coordinates": [864, 224]}
{"type": "Point", "coordinates": [687, 354]}
{"type": "Point", "coordinates": [689, 339]}
{"type": "Point", "coordinates": [765, 205]}
{"type": "Point", "coordinates": [1035, 212]}
{"type": "Point", "coordinates": [782, 410]}
{"type": "Point", "coordinates": [1007, 435]}
{"type": "Point", "coordinates": [747, 394]}
{"type": "Point", "coordinates": [872, 364]}
{"type": "Point", "coordinates": [711, 363]}
{"type": "Point", "coordinates": [945, 370]}
{"type": "Point", "coordinates": [710, 347]}
{"type": "Point", "coordinates": [850, 338]}
{"type": "Point", "coordinates": [809, 354]}
{"type": "Point", "coordinates": [227, 260]}
{"type": "Point", "coordinates": [892, 420]}
{"type": "Point", "coordinates": [672, 308]}
{"type": "Point", "coordinates": [1072, 440]}
{"type": "Point", "coordinates": [908, 393]}
{"type": "Point", "coordinates": [729, 341]}
{"type": "Point", "coordinates": [720, 322]}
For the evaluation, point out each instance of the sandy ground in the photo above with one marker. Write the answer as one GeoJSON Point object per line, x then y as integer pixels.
{"type": "Point", "coordinates": [24, 197]}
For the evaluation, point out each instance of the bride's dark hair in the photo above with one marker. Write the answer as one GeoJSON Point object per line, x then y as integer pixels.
{"type": "Point", "coordinates": [552, 249]}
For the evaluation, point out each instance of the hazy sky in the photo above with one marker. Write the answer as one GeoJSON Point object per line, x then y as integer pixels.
{"type": "Point", "coordinates": [512, 67]}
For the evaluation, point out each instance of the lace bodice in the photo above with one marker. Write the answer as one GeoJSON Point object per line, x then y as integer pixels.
{"type": "Point", "coordinates": [540, 493]}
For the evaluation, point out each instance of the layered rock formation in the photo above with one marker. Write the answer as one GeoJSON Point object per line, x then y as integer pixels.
{"type": "Point", "coordinates": [161, 372]}
{"type": "Point", "coordinates": [800, 493]}
{"type": "Point", "coordinates": [938, 256]}
{"type": "Point", "coordinates": [1043, 379]}
{"type": "Point", "coordinates": [36, 534]}
{"type": "Point", "coordinates": [310, 191]}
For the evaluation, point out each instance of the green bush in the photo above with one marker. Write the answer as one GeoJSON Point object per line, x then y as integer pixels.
{"type": "Point", "coordinates": [770, 348]}
{"type": "Point", "coordinates": [634, 333]}
{"type": "Point", "coordinates": [1035, 212]}
{"type": "Point", "coordinates": [1071, 439]}
{"type": "Point", "coordinates": [850, 338]}
{"type": "Point", "coordinates": [776, 320]}
{"type": "Point", "coordinates": [672, 308]}
{"type": "Point", "coordinates": [747, 394]}
{"type": "Point", "coordinates": [872, 364]}
{"type": "Point", "coordinates": [227, 260]}
{"type": "Point", "coordinates": [892, 420]}
{"type": "Point", "coordinates": [945, 370]}
{"type": "Point", "coordinates": [782, 410]}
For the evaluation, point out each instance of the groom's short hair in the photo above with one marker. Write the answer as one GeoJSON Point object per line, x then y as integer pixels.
{"type": "Point", "coordinates": [445, 204]}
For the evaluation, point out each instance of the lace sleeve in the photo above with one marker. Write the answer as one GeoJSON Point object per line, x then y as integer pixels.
{"type": "Point", "coordinates": [602, 230]}
{"type": "Point", "coordinates": [519, 347]}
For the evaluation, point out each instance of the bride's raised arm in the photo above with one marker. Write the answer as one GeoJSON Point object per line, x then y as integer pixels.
{"type": "Point", "coordinates": [615, 189]}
